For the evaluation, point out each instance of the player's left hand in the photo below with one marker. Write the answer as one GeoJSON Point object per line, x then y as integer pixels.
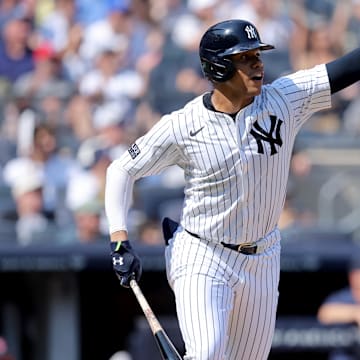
{"type": "Point", "coordinates": [126, 263]}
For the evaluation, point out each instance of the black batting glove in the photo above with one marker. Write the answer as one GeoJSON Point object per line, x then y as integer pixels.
{"type": "Point", "coordinates": [126, 262]}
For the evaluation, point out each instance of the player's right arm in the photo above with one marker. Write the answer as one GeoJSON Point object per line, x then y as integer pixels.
{"type": "Point", "coordinates": [126, 263]}
{"type": "Point", "coordinates": [147, 156]}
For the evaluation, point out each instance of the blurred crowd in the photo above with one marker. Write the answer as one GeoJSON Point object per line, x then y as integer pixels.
{"type": "Point", "coordinates": [81, 79]}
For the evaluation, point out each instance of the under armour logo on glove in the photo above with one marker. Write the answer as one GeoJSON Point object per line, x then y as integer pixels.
{"type": "Point", "coordinates": [126, 263]}
{"type": "Point", "coordinates": [118, 261]}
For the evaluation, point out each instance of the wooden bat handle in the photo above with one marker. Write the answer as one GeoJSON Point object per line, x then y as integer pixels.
{"type": "Point", "coordinates": [166, 347]}
{"type": "Point", "coordinates": [150, 316]}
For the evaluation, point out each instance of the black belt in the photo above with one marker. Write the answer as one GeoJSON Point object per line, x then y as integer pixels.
{"type": "Point", "coordinates": [247, 249]}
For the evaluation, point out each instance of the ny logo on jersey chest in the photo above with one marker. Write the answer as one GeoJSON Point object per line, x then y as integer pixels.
{"type": "Point", "coordinates": [272, 136]}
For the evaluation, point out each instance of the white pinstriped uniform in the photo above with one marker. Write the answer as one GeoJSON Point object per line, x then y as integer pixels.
{"type": "Point", "coordinates": [236, 174]}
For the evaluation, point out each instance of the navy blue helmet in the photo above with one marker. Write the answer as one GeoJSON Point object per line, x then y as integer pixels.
{"type": "Point", "coordinates": [221, 41]}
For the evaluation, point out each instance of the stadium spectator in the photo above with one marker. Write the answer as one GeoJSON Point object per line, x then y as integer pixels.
{"type": "Point", "coordinates": [109, 32]}
{"type": "Point", "coordinates": [39, 95]}
{"type": "Point", "coordinates": [111, 121]}
{"type": "Point", "coordinates": [166, 12]}
{"type": "Point", "coordinates": [321, 47]}
{"type": "Point", "coordinates": [16, 56]}
{"type": "Point", "coordinates": [87, 184]}
{"type": "Point", "coordinates": [44, 82]}
{"type": "Point", "coordinates": [87, 225]}
{"type": "Point", "coordinates": [109, 80]}
{"type": "Point", "coordinates": [343, 307]}
{"type": "Point", "coordinates": [78, 124]}
{"type": "Point", "coordinates": [32, 221]}
{"type": "Point", "coordinates": [346, 24]}
{"type": "Point", "coordinates": [54, 28]}
{"type": "Point", "coordinates": [54, 167]}
{"type": "Point", "coordinates": [17, 9]}
{"type": "Point", "coordinates": [177, 77]}
{"type": "Point", "coordinates": [73, 64]}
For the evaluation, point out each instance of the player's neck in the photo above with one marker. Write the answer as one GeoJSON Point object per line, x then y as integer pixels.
{"type": "Point", "coordinates": [228, 104]}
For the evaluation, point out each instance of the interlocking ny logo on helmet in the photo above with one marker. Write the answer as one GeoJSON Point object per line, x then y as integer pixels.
{"type": "Point", "coordinates": [223, 40]}
{"type": "Point", "coordinates": [251, 32]}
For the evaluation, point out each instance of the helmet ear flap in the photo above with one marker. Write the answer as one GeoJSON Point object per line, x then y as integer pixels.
{"type": "Point", "coordinates": [219, 70]}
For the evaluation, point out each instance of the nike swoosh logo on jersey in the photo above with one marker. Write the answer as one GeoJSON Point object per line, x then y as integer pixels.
{"type": "Point", "coordinates": [193, 133]}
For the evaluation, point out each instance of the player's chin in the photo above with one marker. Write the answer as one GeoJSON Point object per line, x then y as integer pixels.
{"type": "Point", "coordinates": [255, 89]}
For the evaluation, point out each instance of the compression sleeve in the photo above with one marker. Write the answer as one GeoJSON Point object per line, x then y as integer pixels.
{"type": "Point", "coordinates": [344, 71]}
{"type": "Point", "coordinates": [118, 196]}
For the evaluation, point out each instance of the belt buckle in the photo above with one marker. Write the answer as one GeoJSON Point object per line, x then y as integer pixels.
{"type": "Point", "coordinates": [244, 246]}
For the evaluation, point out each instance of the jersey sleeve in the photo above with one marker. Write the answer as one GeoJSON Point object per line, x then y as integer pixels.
{"type": "Point", "coordinates": [118, 197]}
{"type": "Point", "coordinates": [149, 155]}
{"type": "Point", "coordinates": [308, 91]}
{"type": "Point", "coordinates": [153, 152]}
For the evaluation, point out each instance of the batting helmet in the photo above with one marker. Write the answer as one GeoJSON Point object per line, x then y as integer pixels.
{"type": "Point", "coordinates": [223, 40]}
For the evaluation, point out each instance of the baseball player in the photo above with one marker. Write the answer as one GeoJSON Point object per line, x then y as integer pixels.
{"type": "Point", "coordinates": [234, 144]}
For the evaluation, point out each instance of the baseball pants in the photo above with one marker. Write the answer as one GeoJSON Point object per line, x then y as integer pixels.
{"type": "Point", "coordinates": [225, 301]}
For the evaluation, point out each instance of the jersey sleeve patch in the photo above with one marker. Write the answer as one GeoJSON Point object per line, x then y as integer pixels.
{"type": "Point", "coordinates": [134, 151]}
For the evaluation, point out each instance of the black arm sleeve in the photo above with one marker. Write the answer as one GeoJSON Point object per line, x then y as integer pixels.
{"type": "Point", "coordinates": [344, 71]}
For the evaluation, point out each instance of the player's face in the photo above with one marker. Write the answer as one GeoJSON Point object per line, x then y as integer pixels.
{"type": "Point", "coordinates": [249, 72]}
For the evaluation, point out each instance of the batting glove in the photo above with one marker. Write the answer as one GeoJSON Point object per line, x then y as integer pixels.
{"type": "Point", "coordinates": [126, 262]}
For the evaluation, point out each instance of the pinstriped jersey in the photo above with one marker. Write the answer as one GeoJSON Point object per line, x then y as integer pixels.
{"type": "Point", "coordinates": [236, 170]}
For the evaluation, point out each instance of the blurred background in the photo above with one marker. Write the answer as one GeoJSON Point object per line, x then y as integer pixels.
{"type": "Point", "coordinates": [79, 81]}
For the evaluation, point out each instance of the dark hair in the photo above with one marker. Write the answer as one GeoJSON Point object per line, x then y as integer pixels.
{"type": "Point", "coordinates": [46, 127]}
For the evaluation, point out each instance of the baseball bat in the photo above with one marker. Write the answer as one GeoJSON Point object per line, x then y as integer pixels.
{"type": "Point", "coordinates": [166, 347]}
